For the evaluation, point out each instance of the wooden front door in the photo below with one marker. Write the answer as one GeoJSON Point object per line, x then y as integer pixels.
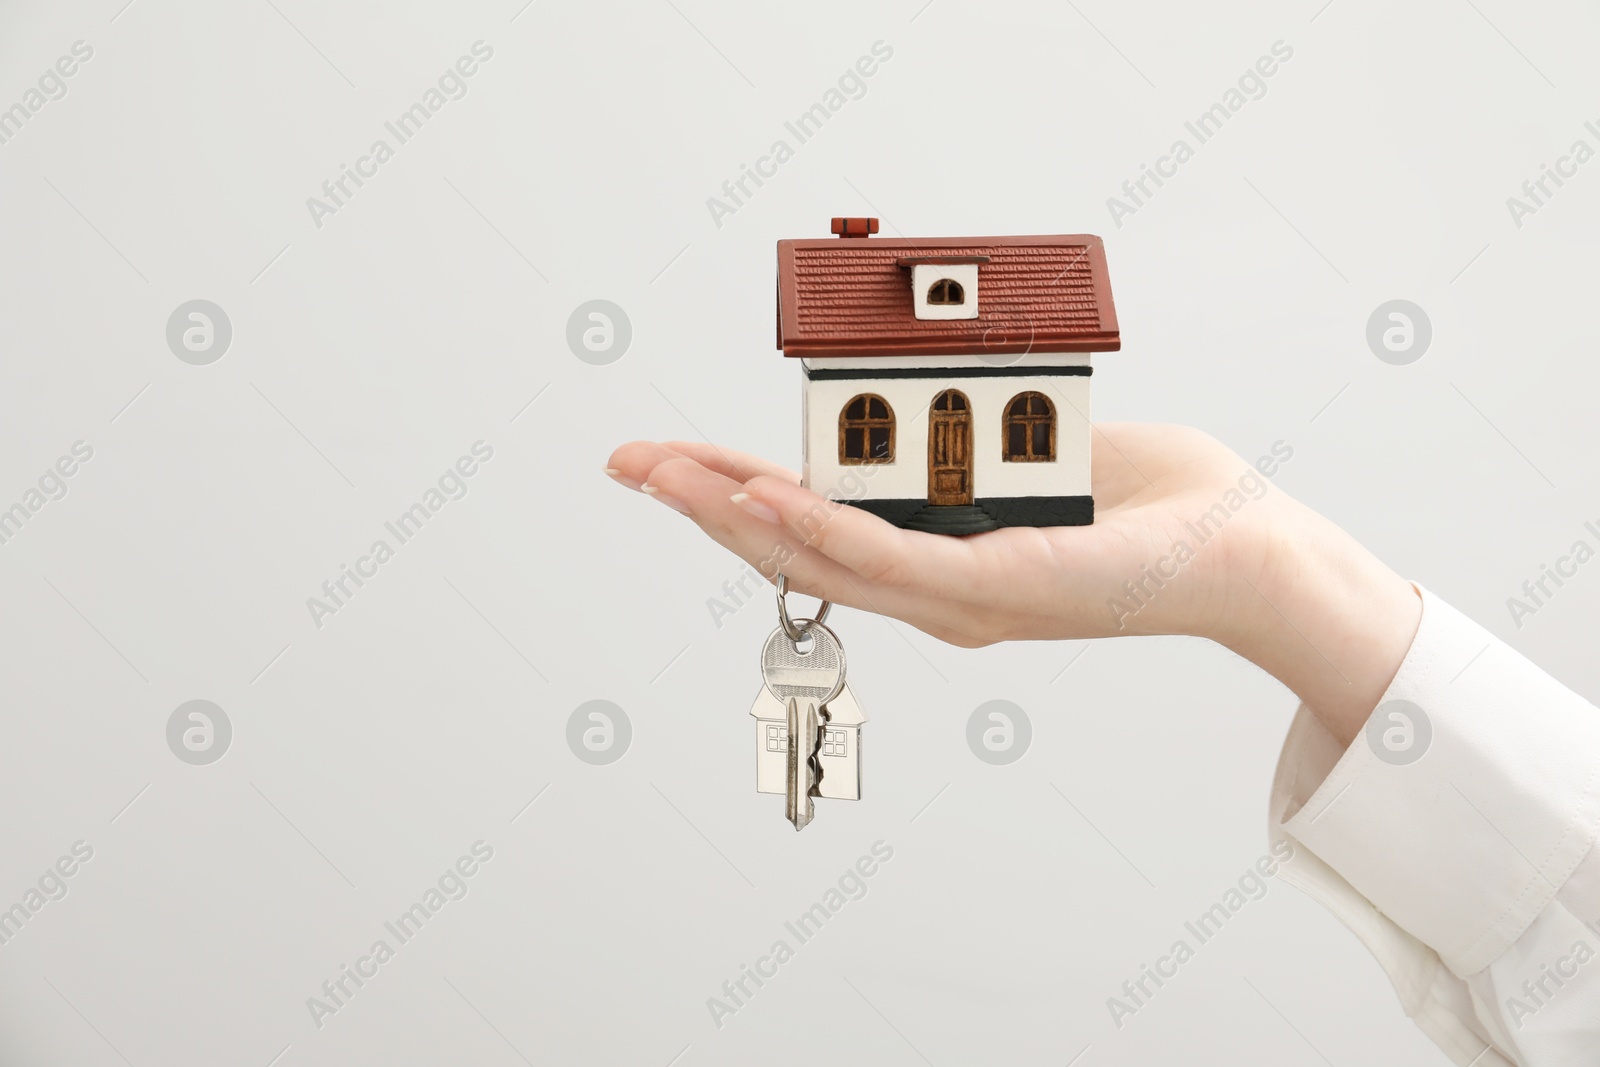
{"type": "Point", "coordinates": [950, 449]}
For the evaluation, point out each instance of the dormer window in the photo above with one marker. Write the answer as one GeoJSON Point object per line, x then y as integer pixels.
{"type": "Point", "coordinates": [944, 287]}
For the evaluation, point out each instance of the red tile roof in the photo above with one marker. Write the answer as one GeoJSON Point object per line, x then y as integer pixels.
{"type": "Point", "coordinates": [852, 297]}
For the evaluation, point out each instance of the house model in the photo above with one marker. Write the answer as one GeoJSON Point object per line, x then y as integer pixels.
{"type": "Point", "coordinates": [838, 755]}
{"type": "Point", "coordinates": [947, 378]}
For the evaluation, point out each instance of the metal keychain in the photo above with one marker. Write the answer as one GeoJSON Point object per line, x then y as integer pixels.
{"type": "Point", "coordinates": [808, 724]}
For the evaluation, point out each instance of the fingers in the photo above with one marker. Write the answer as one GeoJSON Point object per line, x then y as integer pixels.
{"type": "Point", "coordinates": [776, 510]}
{"type": "Point", "coordinates": [768, 547]}
{"type": "Point", "coordinates": [704, 494]}
{"type": "Point", "coordinates": [773, 546]}
{"type": "Point", "coordinates": [947, 569]}
{"type": "Point", "coordinates": [862, 542]}
{"type": "Point", "coordinates": [632, 463]}
{"type": "Point", "coordinates": [740, 466]}
{"type": "Point", "coordinates": [829, 550]}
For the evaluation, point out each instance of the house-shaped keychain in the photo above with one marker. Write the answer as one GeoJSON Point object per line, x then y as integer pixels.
{"type": "Point", "coordinates": [838, 750]}
{"type": "Point", "coordinates": [947, 378]}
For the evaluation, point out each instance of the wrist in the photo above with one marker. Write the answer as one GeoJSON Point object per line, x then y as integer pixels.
{"type": "Point", "coordinates": [1323, 615]}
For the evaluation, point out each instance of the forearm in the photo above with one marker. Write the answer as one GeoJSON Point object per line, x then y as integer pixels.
{"type": "Point", "coordinates": [1462, 846]}
{"type": "Point", "coordinates": [1324, 616]}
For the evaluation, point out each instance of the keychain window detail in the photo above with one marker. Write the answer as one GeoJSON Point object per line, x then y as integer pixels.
{"type": "Point", "coordinates": [866, 431]}
{"type": "Point", "coordinates": [946, 292]}
{"type": "Point", "coordinates": [1030, 429]}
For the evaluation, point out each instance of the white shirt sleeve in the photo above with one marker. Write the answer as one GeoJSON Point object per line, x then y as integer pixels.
{"type": "Point", "coordinates": [1456, 838]}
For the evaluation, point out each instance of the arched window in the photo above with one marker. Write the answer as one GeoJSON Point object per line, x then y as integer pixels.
{"type": "Point", "coordinates": [866, 431]}
{"type": "Point", "coordinates": [946, 292]}
{"type": "Point", "coordinates": [1030, 429]}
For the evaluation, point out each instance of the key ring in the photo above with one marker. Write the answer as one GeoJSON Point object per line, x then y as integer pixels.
{"type": "Point", "coordinates": [795, 630]}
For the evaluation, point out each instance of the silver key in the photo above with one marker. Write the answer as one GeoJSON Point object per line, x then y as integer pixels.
{"type": "Point", "coordinates": [805, 676]}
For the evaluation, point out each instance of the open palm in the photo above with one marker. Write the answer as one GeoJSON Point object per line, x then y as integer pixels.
{"type": "Point", "coordinates": [1181, 527]}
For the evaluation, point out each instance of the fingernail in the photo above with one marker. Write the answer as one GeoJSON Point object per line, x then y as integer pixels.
{"type": "Point", "coordinates": [621, 479]}
{"type": "Point", "coordinates": [670, 501]}
{"type": "Point", "coordinates": [755, 507]}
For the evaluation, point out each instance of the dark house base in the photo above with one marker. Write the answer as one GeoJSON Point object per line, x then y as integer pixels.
{"type": "Point", "coordinates": [990, 513]}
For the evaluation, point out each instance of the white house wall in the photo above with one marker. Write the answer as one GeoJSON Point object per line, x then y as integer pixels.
{"type": "Point", "coordinates": [907, 476]}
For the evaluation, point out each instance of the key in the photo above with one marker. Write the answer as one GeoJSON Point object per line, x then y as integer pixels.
{"type": "Point", "coordinates": [802, 716]}
{"type": "Point", "coordinates": [805, 676]}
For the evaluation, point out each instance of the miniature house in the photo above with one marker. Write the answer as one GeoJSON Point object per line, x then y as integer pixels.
{"type": "Point", "coordinates": [838, 754]}
{"type": "Point", "coordinates": [947, 379]}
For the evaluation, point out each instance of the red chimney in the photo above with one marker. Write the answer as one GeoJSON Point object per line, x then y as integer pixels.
{"type": "Point", "coordinates": [848, 227]}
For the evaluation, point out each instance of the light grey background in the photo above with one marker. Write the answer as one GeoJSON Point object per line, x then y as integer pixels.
{"type": "Point", "coordinates": [368, 354]}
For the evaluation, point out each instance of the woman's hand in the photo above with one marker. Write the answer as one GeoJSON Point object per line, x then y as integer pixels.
{"type": "Point", "coordinates": [1165, 553]}
{"type": "Point", "coordinates": [1187, 539]}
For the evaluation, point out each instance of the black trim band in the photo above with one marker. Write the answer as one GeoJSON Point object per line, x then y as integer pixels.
{"type": "Point", "coordinates": [1004, 510]}
{"type": "Point", "coordinates": [826, 374]}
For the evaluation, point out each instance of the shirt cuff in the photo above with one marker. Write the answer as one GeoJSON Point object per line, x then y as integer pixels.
{"type": "Point", "coordinates": [1468, 800]}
